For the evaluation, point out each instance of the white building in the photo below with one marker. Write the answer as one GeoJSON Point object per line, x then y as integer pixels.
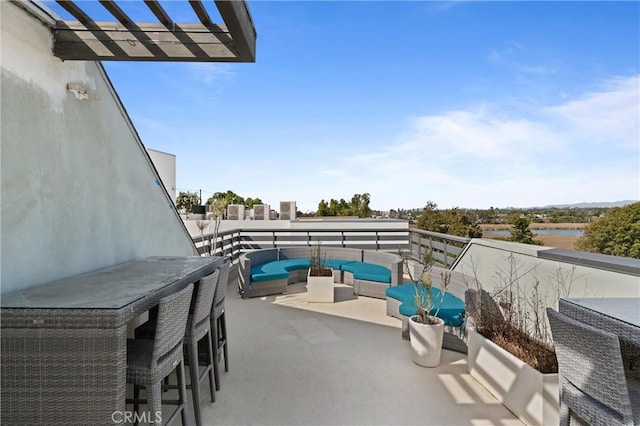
{"type": "Point", "coordinates": [165, 165]}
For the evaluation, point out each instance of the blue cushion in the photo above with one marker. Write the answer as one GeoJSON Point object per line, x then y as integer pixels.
{"type": "Point", "coordinates": [269, 276]}
{"type": "Point", "coordinates": [291, 264]}
{"type": "Point", "coordinates": [268, 272]}
{"type": "Point", "coordinates": [452, 310]}
{"type": "Point", "coordinates": [368, 271]}
{"type": "Point", "coordinates": [401, 292]}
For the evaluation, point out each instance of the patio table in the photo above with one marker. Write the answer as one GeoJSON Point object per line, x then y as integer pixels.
{"type": "Point", "coordinates": [620, 316]}
{"type": "Point", "coordinates": [64, 344]}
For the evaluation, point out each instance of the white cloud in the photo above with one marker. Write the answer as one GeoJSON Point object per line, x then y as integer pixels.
{"type": "Point", "coordinates": [610, 115]}
{"type": "Point", "coordinates": [508, 56]}
{"type": "Point", "coordinates": [471, 157]}
{"type": "Point", "coordinates": [482, 157]}
{"type": "Point", "coordinates": [210, 72]}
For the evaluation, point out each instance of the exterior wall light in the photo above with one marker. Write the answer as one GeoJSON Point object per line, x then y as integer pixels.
{"type": "Point", "coordinates": [79, 90]}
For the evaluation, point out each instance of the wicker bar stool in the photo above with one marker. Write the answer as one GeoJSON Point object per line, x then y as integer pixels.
{"type": "Point", "coordinates": [219, 321]}
{"type": "Point", "coordinates": [149, 361]}
{"type": "Point", "coordinates": [593, 386]}
{"type": "Point", "coordinates": [198, 328]}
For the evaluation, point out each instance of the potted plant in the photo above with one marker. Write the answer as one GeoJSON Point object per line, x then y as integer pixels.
{"type": "Point", "coordinates": [319, 277]}
{"type": "Point", "coordinates": [510, 349]}
{"type": "Point", "coordinates": [426, 330]}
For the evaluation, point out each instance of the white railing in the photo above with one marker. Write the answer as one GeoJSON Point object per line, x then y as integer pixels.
{"type": "Point", "coordinates": [411, 242]}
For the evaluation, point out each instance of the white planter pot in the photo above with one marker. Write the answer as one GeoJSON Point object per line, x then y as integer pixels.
{"type": "Point", "coordinates": [426, 342]}
{"type": "Point", "coordinates": [532, 396]}
{"type": "Point", "coordinates": [320, 289]}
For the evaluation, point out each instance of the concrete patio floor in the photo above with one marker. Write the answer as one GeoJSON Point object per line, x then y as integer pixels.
{"type": "Point", "coordinates": [299, 363]}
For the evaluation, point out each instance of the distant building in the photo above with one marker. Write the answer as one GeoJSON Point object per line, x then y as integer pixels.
{"type": "Point", "coordinates": [165, 164]}
{"type": "Point", "coordinates": [235, 212]}
{"type": "Point", "coordinates": [288, 210]}
{"type": "Point", "coordinates": [261, 212]}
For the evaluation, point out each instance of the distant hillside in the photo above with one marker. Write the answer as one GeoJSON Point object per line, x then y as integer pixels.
{"type": "Point", "coordinates": [604, 205]}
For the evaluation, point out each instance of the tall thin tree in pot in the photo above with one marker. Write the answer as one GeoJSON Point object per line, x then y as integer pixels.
{"type": "Point", "coordinates": [426, 330]}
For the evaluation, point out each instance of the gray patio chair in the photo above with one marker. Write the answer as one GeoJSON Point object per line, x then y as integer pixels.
{"type": "Point", "coordinates": [149, 361]}
{"type": "Point", "coordinates": [219, 321]}
{"type": "Point", "coordinates": [198, 328]}
{"type": "Point", "coordinates": [593, 386]}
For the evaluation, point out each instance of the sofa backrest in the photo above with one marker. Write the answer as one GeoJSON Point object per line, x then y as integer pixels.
{"type": "Point", "coordinates": [262, 255]}
{"type": "Point", "coordinates": [339, 253]}
{"type": "Point", "coordinates": [301, 252]}
{"type": "Point", "coordinates": [388, 260]}
{"type": "Point", "coordinates": [248, 259]}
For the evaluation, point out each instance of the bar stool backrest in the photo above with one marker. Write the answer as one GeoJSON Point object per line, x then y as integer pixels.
{"type": "Point", "coordinates": [221, 289]}
{"type": "Point", "coordinates": [201, 308]}
{"type": "Point", "coordinates": [173, 311]}
{"type": "Point", "coordinates": [589, 359]}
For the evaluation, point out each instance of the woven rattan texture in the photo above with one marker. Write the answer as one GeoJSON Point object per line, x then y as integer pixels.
{"type": "Point", "coordinates": [592, 379]}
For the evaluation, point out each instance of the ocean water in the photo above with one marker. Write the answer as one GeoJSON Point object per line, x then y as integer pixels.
{"type": "Point", "coordinates": [560, 232]}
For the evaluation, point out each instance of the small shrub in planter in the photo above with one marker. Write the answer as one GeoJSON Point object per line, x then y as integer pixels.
{"type": "Point", "coordinates": [318, 263]}
{"type": "Point", "coordinates": [510, 347]}
{"type": "Point", "coordinates": [426, 330]}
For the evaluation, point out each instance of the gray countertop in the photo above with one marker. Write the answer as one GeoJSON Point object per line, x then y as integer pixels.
{"type": "Point", "coordinates": [620, 308]}
{"type": "Point", "coordinates": [111, 288]}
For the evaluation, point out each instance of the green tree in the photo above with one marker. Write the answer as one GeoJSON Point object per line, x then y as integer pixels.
{"type": "Point", "coordinates": [229, 197]}
{"type": "Point", "coordinates": [250, 202]}
{"type": "Point", "coordinates": [430, 218]}
{"type": "Point", "coordinates": [616, 233]}
{"type": "Point", "coordinates": [323, 208]}
{"type": "Point", "coordinates": [359, 205]}
{"type": "Point", "coordinates": [520, 233]}
{"type": "Point", "coordinates": [343, 208]}
{"type": "Point", "coordinates": [186, 200]}
{"type": "Point", "coordinates": [452, 222]}
{"type": "Point", "coordinates": [333, 207]}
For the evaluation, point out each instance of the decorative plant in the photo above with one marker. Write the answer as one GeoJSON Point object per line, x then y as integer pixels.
{"type": "Point", "coordinates": [513, 315]}
{"type": "Point", "coordinates": [318, 262]}
{"type": "Point", "coordinates": [218, 207]}
{"type": "Point", "coordinates": [202, 225]}
{"type": "Point", "coordinates": [423, 297]}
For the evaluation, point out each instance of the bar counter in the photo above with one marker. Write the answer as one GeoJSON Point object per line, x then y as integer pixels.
{"type": "Point", "coordinates": [64, 344]}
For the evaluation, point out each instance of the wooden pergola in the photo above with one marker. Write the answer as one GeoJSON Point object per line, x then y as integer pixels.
{"type": "Point", "coordinates": [234, 40]}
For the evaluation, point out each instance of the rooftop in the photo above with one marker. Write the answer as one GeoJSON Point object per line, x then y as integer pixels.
{"type": "Point", "coordinates": [292, 362]}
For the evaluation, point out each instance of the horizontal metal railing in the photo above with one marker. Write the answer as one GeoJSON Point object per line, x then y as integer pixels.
{"type": "Point", "coordinates": [412, 243]}
{"type": "Point", "coordinates": [445, 248]}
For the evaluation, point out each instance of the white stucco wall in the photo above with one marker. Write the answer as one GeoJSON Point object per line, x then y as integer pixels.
{"type": "Point", "coordinates": [489, 261]}
{"type": "Point", "coordinates": [78, 190]}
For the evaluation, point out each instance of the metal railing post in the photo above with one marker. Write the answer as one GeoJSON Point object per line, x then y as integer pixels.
{"type": "Point", "coordinates": [446, 254]}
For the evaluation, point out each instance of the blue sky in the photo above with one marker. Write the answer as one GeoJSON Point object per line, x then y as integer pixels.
{"type": "Point", "coordinates": [467, 104]}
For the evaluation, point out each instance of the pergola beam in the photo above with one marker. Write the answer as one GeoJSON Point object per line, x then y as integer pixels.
{"type": "Point", "coordinates": [238, 19]}
{"type": "Point", "coordinates": [160, 13]}
{"type": "Point", "coordinates": [117, 13]}
{"type": "Point", "coordinates": [127, 40]}
{"type": "Point", "coordinates": [199, 9]}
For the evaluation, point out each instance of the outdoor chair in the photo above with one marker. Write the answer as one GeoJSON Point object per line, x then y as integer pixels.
{"type": "Point", "coordinates": [198, 328]}
{"type": "Point", "coordinates": [593, 386]}
{"type": "Point", "coordinates": [219, 322]}
{"type": "Point", "coordinates": [149, 361]}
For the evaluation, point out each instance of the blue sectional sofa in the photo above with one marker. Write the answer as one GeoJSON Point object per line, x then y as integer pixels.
{"type": "Point", "coordinates": [451, 310]}
{"type": "Point", "coordinates": [268, 271]}
{"type": "Point", "coordinates": [400, 305]}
